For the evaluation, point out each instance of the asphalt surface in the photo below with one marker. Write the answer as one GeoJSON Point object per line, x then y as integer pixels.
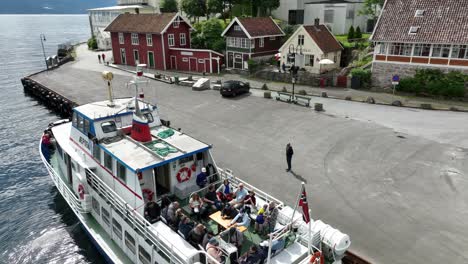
{"type": "Point", "coordinates": [392, 178]}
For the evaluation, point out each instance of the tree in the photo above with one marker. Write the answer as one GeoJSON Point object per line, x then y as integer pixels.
{"type": "Point", "coordinates": [194, 8]}
{"type": "Point", "coordinates": [208, 35]}
{"type": "Point", "coordinates": [169, 6]}
{"type": "Point", "coordinates": [215, 6]}
{"type": "Point", "coordinates": [358, 33]}
{"type": "Point", "coordinates": [265, 6]}
{"type": "Point", "coordinates": [372, 8]}
{"type": "Point", "coordinates": [351, 33]}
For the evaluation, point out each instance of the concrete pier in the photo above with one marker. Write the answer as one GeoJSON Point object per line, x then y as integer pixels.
{"type": "Point", "coordinates": [391, 178]}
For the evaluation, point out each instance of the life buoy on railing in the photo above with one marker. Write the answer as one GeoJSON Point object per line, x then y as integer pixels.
{"type": "Point", "coordinates": [184, 174]}
{"type": "Point", "coordinates": [194, 167]}
{"type": "Point", "coordinates": [148, 193]}
{"type": "Point", "coordinates": [81, 191]}
{"type": "Point", "coordinates": [317, 258]}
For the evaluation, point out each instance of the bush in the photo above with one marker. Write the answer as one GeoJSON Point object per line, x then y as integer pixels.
{"type": "Point", "coordinates": [434, 82]}
{"type": "Point", "coordinates": [253, 65]}
{"type": "Point", "coordinates": [358, 33]}
{"type": "Point", "coordinates": [363, 75]}
{"type": "Point", "coordinates": [92, 43]}
{"type": "Point", "coordinates": [351, 33]}
{"type": "Point", "coordinates": [264, 87]}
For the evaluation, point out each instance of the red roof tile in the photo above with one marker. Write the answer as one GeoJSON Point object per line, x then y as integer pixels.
{"type": "Point", "coordinates": [324, 38]}
{"type": "Point", "coordinates": [443, 22]}
{"type": "Point", "coordinates": [260, 26]}
{"type": "Point", "coordinates": [140, 23]}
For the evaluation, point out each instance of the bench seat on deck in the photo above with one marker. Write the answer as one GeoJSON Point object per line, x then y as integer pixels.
{"type": "Point", "coordinates": [292, 254]}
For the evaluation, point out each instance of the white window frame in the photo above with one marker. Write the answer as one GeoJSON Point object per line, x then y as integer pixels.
{"type": "Point", "coordinates": [149, 40]}
{"type": "Point", "coordinates": [171, 40]}
{"type": "Point", "coordinates": [182, 37]}
{"type": "Point", "coordinates": [135, 40]}
{"type": "Point", "coordinates": [176, 23]}
{"type": "Point", "coordinates": [300, 39]}
{"type": "Point", "coordinates": [252, 43]}
{"type": "Point", "coordinates": [261, 42]}
{"type": "Point", "coordinates": [121, 38]}
{"type": "Point", "coordinates": [237, 28]}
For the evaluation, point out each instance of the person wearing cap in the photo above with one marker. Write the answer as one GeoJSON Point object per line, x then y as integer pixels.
{"type": "Point", "coordinates": [214, 251]}
{"type": "Point", "coordinates": [202, 178]}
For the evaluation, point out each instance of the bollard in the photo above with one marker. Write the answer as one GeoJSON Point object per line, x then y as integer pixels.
{"type": "Point", "coordinates": [324, 94]}
{"type": "Point", "coordinates": [267, 95]}
{"type": "Point", "coordinates": [348, 98]}
{"type": "Point", "coordinates": [318, 107]}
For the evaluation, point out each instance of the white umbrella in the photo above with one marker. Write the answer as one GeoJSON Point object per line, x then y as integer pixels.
{"type": "Point", "coordinates": [326, 61]}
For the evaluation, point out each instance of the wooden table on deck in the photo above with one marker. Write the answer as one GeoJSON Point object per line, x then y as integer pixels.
{"type": "Point", "coordinates": [224, 222]}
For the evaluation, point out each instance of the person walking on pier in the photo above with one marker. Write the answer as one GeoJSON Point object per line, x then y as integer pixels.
{"type": "Point", "coordinates": [103, 58]}
{"type": "Point", "coordinates": [99, 57]}
{"type": "Point", "coordinates": [289, 154]}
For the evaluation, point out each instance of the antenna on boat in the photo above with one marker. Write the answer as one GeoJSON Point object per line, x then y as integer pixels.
{"type": "Point", "coordinates": [108, 76]}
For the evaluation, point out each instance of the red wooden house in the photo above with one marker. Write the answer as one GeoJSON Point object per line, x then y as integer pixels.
{"type": "Point", "coordinates": [162, 41]}
{"type": "Point", "coordinates": [251, 38]}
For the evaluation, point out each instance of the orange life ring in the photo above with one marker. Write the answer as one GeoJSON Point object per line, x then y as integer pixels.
{"type": "Point", "coordinates": [81, 191]}
{"type": "Point", "coordinates": [317, 256]}
{"type": "Point", "coordinates": [184, 174]}
{"type": "Point", "coordinates": [149, 194]}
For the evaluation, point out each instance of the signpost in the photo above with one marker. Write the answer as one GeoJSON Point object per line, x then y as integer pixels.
{"type": "Point", "coordinates": [395, 82]}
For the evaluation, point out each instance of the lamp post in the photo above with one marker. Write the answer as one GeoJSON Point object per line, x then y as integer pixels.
{"type": "Point", "coordinates": [43, 38]}
{"type": "Point", "coordinates": [292, 54]}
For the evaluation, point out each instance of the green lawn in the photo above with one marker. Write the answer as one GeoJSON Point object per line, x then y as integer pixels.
{"type": "Point", "coordinates": [344, 40]}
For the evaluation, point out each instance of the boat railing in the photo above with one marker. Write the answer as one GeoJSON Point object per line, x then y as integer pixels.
{"type": "Point", "coordinates": [65, 191]}
{"type": "Point", "coordinates": [228, 174]}
{"type": "Point", "coordinates": [138, 222]}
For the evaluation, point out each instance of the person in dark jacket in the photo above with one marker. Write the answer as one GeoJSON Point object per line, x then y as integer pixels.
{"type": "Point", "coordinates": [152, 212]}
{"type": "Point", "coordinates": [202, 178]}
{"type": "Point", "coordinates": [289, 154]}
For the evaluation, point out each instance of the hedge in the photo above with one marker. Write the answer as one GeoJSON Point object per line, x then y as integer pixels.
{"type": "Point", "coordinates": [434, 82]}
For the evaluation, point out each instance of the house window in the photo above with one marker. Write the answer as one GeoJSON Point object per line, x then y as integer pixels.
{"type": "Point", "coordinates": [272, 38]}
{"type": "Point", "coordinates": [108, 161]}
{"type": "Point", "coordinates": [134, 39]}
{"type": "Point", "coordinates": [121, 38]}
{"type": "Point", "coordinates": [237, 28]}
{"type": "Point", "coordinates": [440, 50]}
{"type": "Point", "coordinates": [171, 40]}
{"type": "Point", "coordinates": [300, 40]}
{"type": "Point", "coordinates": [130, 242]}
{"type": "Point", "coordinates": [261, 43]}
{"type": "Point", "coordinates": [382, 48]}
{"type": "Point", "coordinates": [329, 15]}
{"type": "Point", "coordinates": [182, 39]}
{"type": "Point", "coordinates": [419, 13]}
{"type": "Point", "coordinates": [149, 40]}
{"type": "Point", "coordinates": [117, 229]}
{"type": "Point", "coordinates": [244, 43]}
{"type": "Point", "coordinates": [459, 52]}
{"type": "Point", "coordinates": [176, 23]}
{"type": "Point", "coordinates": [231, 42]}
{"type": "Point", "coordinates": [350, 14]}
{"type": "Point", "coordinates": [252, 43]}
{"type": "Point", "coordinates": [309, 60]}
{"type": "Point", "coordinates": [413, 30]}
{"type": "Point", "coordinates": [400, 49]}
{"type": "Point", "coordinates": [422, 50]}
{"type": "Point", "coordinates": [121, 171]}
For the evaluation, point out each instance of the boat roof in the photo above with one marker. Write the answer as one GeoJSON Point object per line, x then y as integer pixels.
{"type": "Point", "coordinates": [101, 110]}
{"type": "Point", "coordinates": [138, 156]}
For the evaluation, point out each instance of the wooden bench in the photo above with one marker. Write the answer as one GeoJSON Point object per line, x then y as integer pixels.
{"type": "Point", "coordinates": [282, 96]}
{"type": "Point", "coordinates": [302, 99]}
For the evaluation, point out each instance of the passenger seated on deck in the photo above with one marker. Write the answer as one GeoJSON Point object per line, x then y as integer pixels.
{"type": "Point", "coordinates": [202, 178]}
{"type": "Point", "coordinates": [171, 209]}
{"type": "Point", "coordinates": [233, 236]}
{"type": "Point", "coordinates": [239, 196]}
{"type": "Point", "coordinates": [228, 212]}
{"type": "Point", "coordinates": [208, 235]}
{"type": "Point", "coordinates": [242, 218]}
{"type": "Point", "coordinates": [196, 204]}
{"type": "Point", "coordinates": [185, 226]}
{"type": "Point", "coordinates": [253, 256]}
{"type": "Point", "coordinates": [195, 236]}
{"type": "Point", "coordinates": [224, 191]}
{"type": "Point", "coordinates": [152, 212]}
{"type": "Point", "coordinates": [211, 200]}
{"type": "Point", "coordinates": [214, 251]}
{"type": "Point", "coordinates": [250, 200]}
{"type": "Point", "coordinates": [178, 216]}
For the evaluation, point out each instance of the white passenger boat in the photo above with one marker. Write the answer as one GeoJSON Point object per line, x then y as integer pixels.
{"type": "Point", "coordinates": [115, 156]}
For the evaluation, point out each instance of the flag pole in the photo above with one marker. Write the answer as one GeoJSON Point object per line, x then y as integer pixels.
{"type": "Point", "coordinates": [297, 201]}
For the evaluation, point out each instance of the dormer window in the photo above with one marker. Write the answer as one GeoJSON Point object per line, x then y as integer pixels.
{"type": "Point", "coordinates": [419, 13]}
{"type": "Point", "coordinates": [237, 28]}
{"type": "Point", "coordinates": [413, 30]}
{"type": "Point", "coordinates": [176, 23]}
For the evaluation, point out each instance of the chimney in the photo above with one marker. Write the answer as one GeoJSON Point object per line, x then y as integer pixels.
{"type": "Point", "coordinates": [317, 22]}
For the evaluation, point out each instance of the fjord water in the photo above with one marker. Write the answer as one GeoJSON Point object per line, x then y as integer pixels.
{"type": "Point", "coordinates": [36, 225]}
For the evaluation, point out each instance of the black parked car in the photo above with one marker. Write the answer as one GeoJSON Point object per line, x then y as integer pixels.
{"type": "Point", "coordinates": [234, 88]}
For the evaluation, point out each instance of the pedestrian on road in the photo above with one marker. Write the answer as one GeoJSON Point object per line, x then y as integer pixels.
{"type": "Point", "coordinates": [289, 154]}
{"type": "Point", "coordinates": [284, 67]}
{"type": "Point", "coordinates": [99, 57]}
{"type": "Point", "coordinates": [103, 58]}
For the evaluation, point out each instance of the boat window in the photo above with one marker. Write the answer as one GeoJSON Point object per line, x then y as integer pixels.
{"type": "Point", "coordinates": [86, 127]}
{"type": "Point", "coordinates": [144, 257]}
{"type": "Point", "coordinates": [97, 152]}
{"type": "Point", "coordinates": [121, 171]}
{"type": "Point", "coordinates": [96, 206]}
{"type": "Point", "coordinates": [108, 127]}
{"type": "Point", "coordinates": [149, 117]}
{"type": "Point", "coordinates": [200, 156]}
{"type": "Point", "coordinates": [74, 119]}
{"type": "Point", "coordinates": [130, 242]}
{"type": "Point", "coordinates": [80, 123]}
{"type": "Point", "coordinates": [117, 229]}
{"type": "Point", "coordinates": [186, 159]}
{"type": "Point", "coordinates": [105, 216]}
{"type": "Point", "coordinates": [108, 161]}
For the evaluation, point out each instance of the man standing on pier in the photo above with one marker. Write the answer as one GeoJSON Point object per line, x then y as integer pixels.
{"type": "Point", "coordinates": [103, 58]}
{"type": "Point", "coordinates": [289, 154]}
{"type": "Point", "coordinates": [99, 57]}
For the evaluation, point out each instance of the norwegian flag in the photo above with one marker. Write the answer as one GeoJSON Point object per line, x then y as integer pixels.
{"type": "Point", "coordinates": [305, 206]}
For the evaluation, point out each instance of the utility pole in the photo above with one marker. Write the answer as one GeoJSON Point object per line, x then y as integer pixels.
{"type": "Point", "coordinates": [43, 38]}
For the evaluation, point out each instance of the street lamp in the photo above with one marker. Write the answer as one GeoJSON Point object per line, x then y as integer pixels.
{"type": "Point", "coordinates": [294, 69]}
{"type": "Point", "coordinates": [43, 38]}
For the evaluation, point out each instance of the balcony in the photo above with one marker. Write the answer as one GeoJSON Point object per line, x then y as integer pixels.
{"type": "Point", "coordinates": [132, 2]}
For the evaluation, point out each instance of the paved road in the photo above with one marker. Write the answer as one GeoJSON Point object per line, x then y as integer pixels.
{"type": "Point", "coordinates": [393, 179]}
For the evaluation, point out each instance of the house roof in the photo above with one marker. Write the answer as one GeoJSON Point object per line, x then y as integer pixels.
{"type": "Point", "coordinates": [443, 22]}
{"type": "Point", "coordinates": [323, 38]}
{"type": "Point", "coordinates": [256, 27]}
{"type": "Point", "coordinates": [142, 23]}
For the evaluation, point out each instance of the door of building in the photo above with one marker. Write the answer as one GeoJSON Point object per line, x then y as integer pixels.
{"type": "Point", "coordinates": [230, 60]}
{"type": "Point", "coordinates": [123, 56]}
{"type": "Point", "coordinates": [173, 62]}
{"type": "Point", "coordinates": [238, 61]}
{"type": "Point", "coordinates": [151, 59]}
{"type": "Point", "coordinates": [193, 64]}
{"type": "Point", "coordinates": [136, 57]}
